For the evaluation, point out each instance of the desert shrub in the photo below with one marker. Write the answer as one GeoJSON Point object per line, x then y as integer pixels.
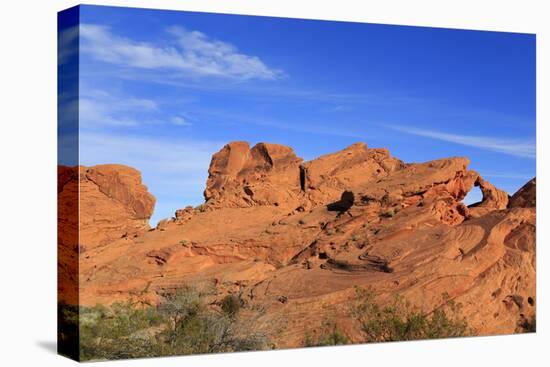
{"type": "Point", "coordinates": [181, 324]}
{"type": "Point", "coordinates": [333, 337]}
{"type": "Point", "coordinates": [119, 331]}
{"type": "Point", "coordinates": [231, 305]}
{"type": "Point", "coordinates": [336, 337]}
{"type": "Point", "coordinates": [194, 328]}
{"type": "Point", "coordinates": [329, 334]}
{"type": "Point", "coordinates": [402, 321]}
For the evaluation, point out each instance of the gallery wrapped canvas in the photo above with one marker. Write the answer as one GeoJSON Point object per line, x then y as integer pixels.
{"type": "Point", "coordinates": [237, 183]}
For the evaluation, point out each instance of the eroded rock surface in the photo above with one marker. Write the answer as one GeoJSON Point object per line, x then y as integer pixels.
{"type": "Point", "coordinates": [295, 238]}
{"type": "Point", "coordinates": [492, 199]}
{"type": "Point", "coordinates": [240, 176]}
{"type": "Point", "coordinates": [526, 196]}
{"type": "Point", "coordinates": [113, 202]}
{"type": "Point", "coordinates": [327, 177]}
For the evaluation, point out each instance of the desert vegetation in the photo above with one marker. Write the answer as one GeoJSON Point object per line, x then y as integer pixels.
{"type": "Point", "coordinates": [402, 321]}
{"type": "Point", "coordinates": [398, 321]}
{"type": "Point", "coordinates": [330, 335]}
{"type": "Point", "coordinates": [182, 324]}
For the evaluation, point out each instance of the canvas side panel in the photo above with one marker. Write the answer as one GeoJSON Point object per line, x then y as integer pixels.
{"type": "Point", "coordinates": [67, 183]}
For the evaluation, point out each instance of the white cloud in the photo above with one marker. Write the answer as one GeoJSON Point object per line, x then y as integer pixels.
{"type": "Point", "coordinates": [180, 121]}
{"type": "Point", "coordinates": [100, 108]}
{"type": "Point", "coordinates": [514, 147]}
{"type": "Point", "coordinates": [147, 153]}
{"type": "Point", "coordinates": [190, 52]}
{"type": "Point", "coordinates": [175, 171]}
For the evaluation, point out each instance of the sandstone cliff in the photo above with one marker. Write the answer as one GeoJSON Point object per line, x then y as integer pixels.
{"type": "Point", "coordinates": [240, 176]}
{"type": "Point", "coordinates": [294, 238]}
{"type": "Point", "coordinates": [96, 206]}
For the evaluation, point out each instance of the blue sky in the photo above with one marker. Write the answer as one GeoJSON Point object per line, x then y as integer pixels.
{"type": "Point", "coordinates": [162, 91]}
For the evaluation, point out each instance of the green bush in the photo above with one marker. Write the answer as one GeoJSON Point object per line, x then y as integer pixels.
{"type": "Point", "coordinates": [231, 305]}
{"type": "Point", "coordinates": [181, 324]}
{"type": "Point", "coordinates": [329, 334]}
{"type": "Point", "coordinates": [184, 324]}
{"type": "Point", "coordinates": [334, 337]}
{"type": "Point", "coordinates": [401, 321]}
{"type": "Point", "coordinates": [193, 328]}
{"type": "Point", "coordinates": [119, 331]}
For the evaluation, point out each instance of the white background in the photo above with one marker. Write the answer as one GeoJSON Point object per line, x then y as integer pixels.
{"type": "Point", "coordinates": [28, 181]}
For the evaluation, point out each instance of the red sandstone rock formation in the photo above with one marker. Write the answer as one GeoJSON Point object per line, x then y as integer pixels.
{"type": "Point", "coordinates": [267, 174]}
{"type": "Point", "coordinates": [525, 197]}
{"type": "Point", "coordinates": [67, 234]}
{"type": "Point", "coordinates": [96, 206]}
{"type": "Point", "coordinates": [273, 228]}
{"type": "Point", "coordinates": [327, 177]}
{"type": "Point", "coordinates": [113, 203]}
{"type": "Point", "coordinates": [493, 199]}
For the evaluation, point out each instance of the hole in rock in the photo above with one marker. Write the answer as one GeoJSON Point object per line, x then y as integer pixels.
{"type": "Point", "coordinates": [473, 197]}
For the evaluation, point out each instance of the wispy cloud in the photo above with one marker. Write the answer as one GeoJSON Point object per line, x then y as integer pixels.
{"type": "Point", "coordinates": [148, 153]}
{"type": "Point", "coordinates": [190, 52]}
{"type": "Point", "coordinates": [524, 148]}
{"type": "Point", "coordinates": [174, 170]}
{"type": "Point", "coordinates": [264, 92]}
{"type": "Point", "coordinates": [100, 108]}
{"type": "Point", "coordinates": [180, 121]}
